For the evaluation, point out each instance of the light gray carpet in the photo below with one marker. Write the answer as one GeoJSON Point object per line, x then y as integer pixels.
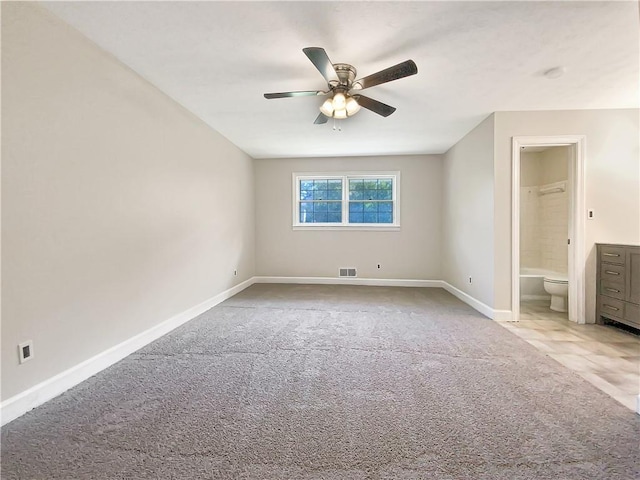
{"type": "Point", "coordinates": [330, 382]}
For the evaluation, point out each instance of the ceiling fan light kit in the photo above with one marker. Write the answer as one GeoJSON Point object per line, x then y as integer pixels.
{"type": "Point", "coordinates": [341, 105]}
{"type": "Point", "coordinates": [341, 81]}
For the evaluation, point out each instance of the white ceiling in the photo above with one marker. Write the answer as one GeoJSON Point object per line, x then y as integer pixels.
{"type": "Point", "coordinates": [218, 58]}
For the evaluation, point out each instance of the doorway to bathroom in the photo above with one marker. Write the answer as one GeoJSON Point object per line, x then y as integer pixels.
{"type": "Point", "coordinates": [547, 227]}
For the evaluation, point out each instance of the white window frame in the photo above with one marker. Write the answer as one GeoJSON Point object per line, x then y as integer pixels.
{"type": "Point", "coordinates": [345, 177]}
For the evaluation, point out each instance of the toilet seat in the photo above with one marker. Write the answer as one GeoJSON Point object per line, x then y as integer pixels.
{"type": "Point", "coordinates": [559, 278]}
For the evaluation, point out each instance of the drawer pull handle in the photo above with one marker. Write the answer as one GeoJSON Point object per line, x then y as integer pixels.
{"type": "Point", "coordinates": [611, 272]}
{"type": "Point", "coordinates": [611, 254]}
{"type": "Point", "coordinates": [609, 306]}
{"type": "Point", "coordinates": [612, 290]}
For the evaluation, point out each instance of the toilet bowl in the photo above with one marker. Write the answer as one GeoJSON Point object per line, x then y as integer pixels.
{"type": "Point", "coordinates": [557, 285]}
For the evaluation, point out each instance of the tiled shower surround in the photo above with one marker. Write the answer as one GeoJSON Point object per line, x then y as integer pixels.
{"type": "Point", "coordinates": [544, 217]}
{"type": "Point", "coordinates": [544, 221]}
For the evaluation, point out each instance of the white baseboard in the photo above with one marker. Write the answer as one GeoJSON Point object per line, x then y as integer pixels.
{"type": "Point", "coordinates": [483, 308]}
{"type": "Point", "coordinates": [376, 282]}
{"type": "Point", "coordinates": [21, 403]}
{"type": "Point", "coordinates": [498, 315]}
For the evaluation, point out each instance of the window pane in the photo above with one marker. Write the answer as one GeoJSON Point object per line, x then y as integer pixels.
{"type": "Point", "coordinates": [384, 184]}
{"type": "Point", "coordinates": [319, 184]}
{"type": "Point", "coordinates": [320, 217]}
{"type": "Point", "coordinates": [334, 194]}
{"type": "Point", "coordinates": [356, 207]}
{"type": "Point", "coordinates": [320, 195]}
{"type": "Point", "coordinates": [385, 217]}
{"type": "Point", "coordinates": [306, 212]}
{"type": "Point", "coordinates": [320, 207]}
{"type": "Point", "coordinates": [370, 200]}
{"type": "Point", "coordinates": [356, 195]}
{"type": "Point", "coordinates": [370, 217]}
{"type": "Point", "coordinates": [306, 184]}
{"type": "Point", "coordinates": [385, 206]}
{"type": "Point", "coordinates": [355, 217]}
{"type": "Point", "coordinates": [334, 217]}
{"type": "Point", "coordinates": [370, 184]}
{"type": "Point", "coordinates": [356, 184]}
{"type": "Point", "coordinates": [370, 195]}
{"type": "Point", "coordinates": [384, 195]}
{"type": "Point", "coordinates": [335, 206]}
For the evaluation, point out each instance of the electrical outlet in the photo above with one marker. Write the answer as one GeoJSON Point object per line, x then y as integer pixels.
{"type": "Point", "coordinates": [590, 214]}
{"type": "Point", "coordinates": [378, 266]}
{"type": "Point", "coordinates": [470, 280]}
{"type": "Point", "coordinates": [25, 351]}
{"type": "Point", "coordinates": [235, 272]}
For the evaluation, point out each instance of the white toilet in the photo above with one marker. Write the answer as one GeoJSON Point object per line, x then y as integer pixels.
{"type": "Point", "coordinates": [557, 285]}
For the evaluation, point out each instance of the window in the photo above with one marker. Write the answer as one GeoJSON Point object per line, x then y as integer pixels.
{"type": "Point", "coordinates": [356, 200]}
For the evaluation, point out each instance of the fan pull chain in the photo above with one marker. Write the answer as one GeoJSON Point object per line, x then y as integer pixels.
{"type": "Point", "coordinates": [339, 127]}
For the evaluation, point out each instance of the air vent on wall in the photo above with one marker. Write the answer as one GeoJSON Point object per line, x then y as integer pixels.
{"type": "Point", "coordinates": [348, 272]}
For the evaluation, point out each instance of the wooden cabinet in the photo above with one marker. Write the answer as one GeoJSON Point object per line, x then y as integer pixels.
{"type": "Point", "coordinates": [618, 284]}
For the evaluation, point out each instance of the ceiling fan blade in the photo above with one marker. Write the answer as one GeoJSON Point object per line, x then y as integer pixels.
{"type": "Point", "coordinates": [321, 61]}
{"type": "Point", "coordinates": [320, 119]}
{"type": "Point", "coordinates": [374, 105]}
{"type": "Point", "coordinates": [401, 70]}
{"type": "Point", "coordinates": [294, 94]}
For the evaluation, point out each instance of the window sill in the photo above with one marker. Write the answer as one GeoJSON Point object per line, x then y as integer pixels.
{"type": "Point", "coordinates": [369, 228]}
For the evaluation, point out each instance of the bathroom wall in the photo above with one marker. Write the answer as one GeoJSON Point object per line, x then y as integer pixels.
{"type": "Point", "coordinates": [544, 219]}
{"type": "Point", "coordinates": [554, 211]}
{"type": "Point", "coordinates": [530, 210]}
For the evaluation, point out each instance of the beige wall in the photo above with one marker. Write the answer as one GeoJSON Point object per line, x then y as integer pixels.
{"type": "Point", "coordinates": [468, 214]}
{"type": "Point", "coordinates": [119, 208]}
{"type": "Point", "coordinates": [612, 183]}
{"type": "Point", "coordinates": [530, 174]}
{"type": "Point", "coordinates": [411, 253]}
{"type": "Point", "coordinates": [554, 164]}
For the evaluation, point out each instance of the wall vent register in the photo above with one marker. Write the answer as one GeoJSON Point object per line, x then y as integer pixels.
{"type": "Point", "coordinates": [348, 272]}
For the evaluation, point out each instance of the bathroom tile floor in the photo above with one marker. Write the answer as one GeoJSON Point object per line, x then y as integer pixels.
{"type": "Point", "coordinates": [606, 356]}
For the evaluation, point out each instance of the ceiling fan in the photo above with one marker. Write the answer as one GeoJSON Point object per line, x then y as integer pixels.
{"type": "Point", "coordinates": [344, 100]}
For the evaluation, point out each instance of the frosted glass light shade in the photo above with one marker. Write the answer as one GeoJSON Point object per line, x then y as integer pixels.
{"type": "Point", "coordinates": [340, 113]}
{"type": "Point", "coordinates": [352, 106]}
{"type": "Point", "coordinates": [339, 101]}
{"type": "Point", "coordinates": [340, 106]}
{"type": "Point", "coordinates": [327, 107]}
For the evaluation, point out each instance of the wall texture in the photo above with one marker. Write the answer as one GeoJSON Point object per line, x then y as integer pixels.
{"type": "Point", "coordinates": [612, 183]}
{"type": "Point", "coordinates": [411, 253]}
{"type": "Point", "coordinates": [468, 214]}
{"type": "Point", "coordinates": [119, 208]}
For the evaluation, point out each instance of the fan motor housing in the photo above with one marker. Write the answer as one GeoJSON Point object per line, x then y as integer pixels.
{"type": "Point", "coordinates": [346, 73]}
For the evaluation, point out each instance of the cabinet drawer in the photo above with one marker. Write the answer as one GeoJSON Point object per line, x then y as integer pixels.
{"type": "Point", "coordinates": [612, 273]}
{"type": "Point", "coordinates": [610, 307]}
{"type": "Point", "coordinates": [612, 289]}
{"type": "Point", "coordinates": [612, 254]}
{"type": "Point", "coordinates": [632, 313]}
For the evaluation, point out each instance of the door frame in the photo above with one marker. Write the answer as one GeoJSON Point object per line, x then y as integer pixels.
{"type": "Point", "coordinates": [576, 267]}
